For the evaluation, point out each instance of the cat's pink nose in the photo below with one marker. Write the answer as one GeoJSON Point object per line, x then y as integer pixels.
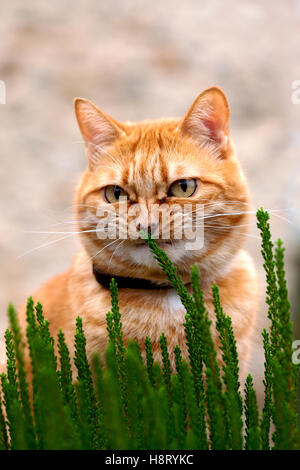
{"type": "Point", "coordinates": [150, 228]}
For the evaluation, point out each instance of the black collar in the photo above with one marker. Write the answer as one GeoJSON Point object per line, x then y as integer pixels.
{"type": "Point", "coordinates": [126, 282]}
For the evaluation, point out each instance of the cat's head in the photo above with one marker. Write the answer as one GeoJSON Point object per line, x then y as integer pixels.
{"type": "Point", "coordinates": [172, 166]}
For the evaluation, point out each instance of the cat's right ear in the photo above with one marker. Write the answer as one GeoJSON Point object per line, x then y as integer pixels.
{"type": "Point", "coordinates": [207, 120]}
{"type": "Point", "coordinates": [97, 128]}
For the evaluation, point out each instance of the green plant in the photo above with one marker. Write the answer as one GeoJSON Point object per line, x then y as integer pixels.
{"type": "Point", "coordinates": [132, 404]}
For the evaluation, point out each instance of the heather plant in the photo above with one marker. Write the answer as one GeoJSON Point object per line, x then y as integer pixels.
{"type": "Point", "coordinates": [137, 403]}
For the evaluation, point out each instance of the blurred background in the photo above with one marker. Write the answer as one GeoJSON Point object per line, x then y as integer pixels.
{"type": "Point", "coordinates": [138, 60]}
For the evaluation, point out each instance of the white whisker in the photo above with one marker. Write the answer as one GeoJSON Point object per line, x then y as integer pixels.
{"type": "Point", "coordinates": [44, 245]}
{"type": "Point", "coordinates": [106, 246]}
{"type": "Point", "coordinates": [81, 231]}
{"type": "Point", "coordinates": [115, 250]}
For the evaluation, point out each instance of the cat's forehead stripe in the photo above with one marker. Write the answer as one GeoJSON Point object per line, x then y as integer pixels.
{"type": "Point", "coordinates": [144, 169]}
{"type": "Point", "coordinates": [142, 172]}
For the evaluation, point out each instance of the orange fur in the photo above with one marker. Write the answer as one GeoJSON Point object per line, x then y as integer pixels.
{"type": "Point", "coordinates": [145, 159]}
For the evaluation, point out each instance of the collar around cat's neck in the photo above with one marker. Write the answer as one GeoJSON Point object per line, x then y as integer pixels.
{"type": "Point", "coordinates": [126, 282]}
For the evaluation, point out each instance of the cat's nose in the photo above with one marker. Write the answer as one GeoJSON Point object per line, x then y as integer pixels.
{"type": "Point", "coordinates": [148, 228]}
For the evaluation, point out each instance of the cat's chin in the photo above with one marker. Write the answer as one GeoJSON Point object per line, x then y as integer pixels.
{"type": "Point", "coordinates": [140, 254]}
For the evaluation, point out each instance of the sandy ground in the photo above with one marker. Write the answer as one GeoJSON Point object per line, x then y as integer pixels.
{"type": "Point", "coordinates": [138, 60]}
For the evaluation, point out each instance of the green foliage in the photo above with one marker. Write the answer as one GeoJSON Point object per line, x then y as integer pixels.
{"type": "Point", "coordinates": [252, 440]}
{"type": "Point", "coordinates": [281, 374]}
{"type": "Point", "coordinates": [136, 403]}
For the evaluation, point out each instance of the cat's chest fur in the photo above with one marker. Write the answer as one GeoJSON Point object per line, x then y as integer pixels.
{"type": "Point", "coordinates": [144, 312]}
{"type": "Point", "coordinates": [149, 313]}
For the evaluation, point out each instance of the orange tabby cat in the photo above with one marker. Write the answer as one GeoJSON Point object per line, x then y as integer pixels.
{"type": "Point", "coordinates": [164, 162]}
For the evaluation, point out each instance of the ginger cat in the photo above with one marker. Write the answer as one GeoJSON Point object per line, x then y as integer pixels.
{"type": "Point", "coordinates": [164, 162]}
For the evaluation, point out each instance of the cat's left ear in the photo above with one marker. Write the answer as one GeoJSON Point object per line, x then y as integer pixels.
{"type": "Point", "coordinates": [98, 130]}
{"type": "Point", "coordinates": [207, 120]}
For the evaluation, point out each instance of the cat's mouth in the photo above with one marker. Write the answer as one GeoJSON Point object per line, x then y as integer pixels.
{"type": "Point", "coordinates": [160, 242]}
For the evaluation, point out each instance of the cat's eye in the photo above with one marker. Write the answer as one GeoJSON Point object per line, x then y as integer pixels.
{"type": "Point", "coordinates": [113, 193]}
{"type": "Point", "coordinates": [183, 188]}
